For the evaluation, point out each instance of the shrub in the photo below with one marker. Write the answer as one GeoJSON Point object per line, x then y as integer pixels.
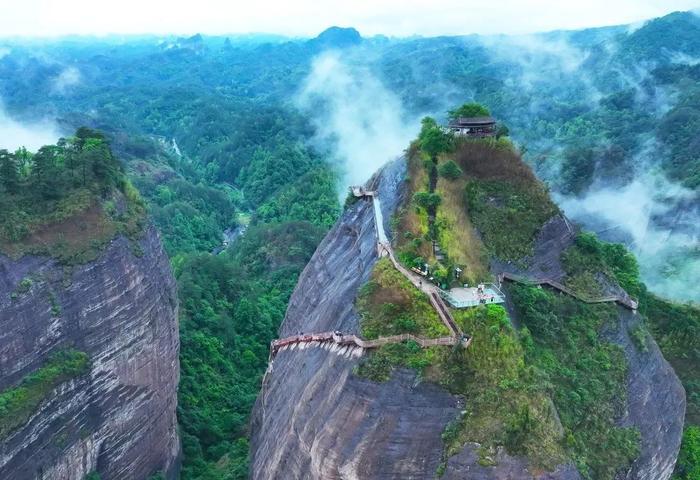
{"type": "Point", "coordinates": [639, 336]}
{"type": "Point", "coordinates": [508, 215]}
{"type": "Point", "coordinates": [25, 285]}
{"type": "Point", "coordinates": [427, 200]}
{"type": "Point", "coordinates": [449, 170]}
{"type": "Point", "coordinates": [18, 403]}
{"type": "Point", "coordinates": [567, 352]}
{"type": "Point", "coordinates": [379, 365]}
{"type": "Point", "coordinates": [389, 305]}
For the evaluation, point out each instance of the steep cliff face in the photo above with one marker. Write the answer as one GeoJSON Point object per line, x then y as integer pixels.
{"type": "Point", "coordinates": [655, 402]}
{"type": "Point", "coordinates": [118, 419]}
{"type": "Point", "coordinates": [315, 419]}
{"type": "Point", "coordinates": [655, 396]}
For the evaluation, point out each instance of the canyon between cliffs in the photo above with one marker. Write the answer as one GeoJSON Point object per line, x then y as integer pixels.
{"type": "Point", "coordinates": [118, 418]}
{"type": "Point", "coordinates": [316, 419]}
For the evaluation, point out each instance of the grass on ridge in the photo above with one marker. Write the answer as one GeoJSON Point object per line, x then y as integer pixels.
{"type": "Point", "coordinates": [456, 234]}
{"type": "Point", "coordinates": [390, 305]}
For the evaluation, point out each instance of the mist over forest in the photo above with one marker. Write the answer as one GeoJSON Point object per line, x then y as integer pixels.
{"type": "Point", "coordinates": [606, 116]}
{"type": "Point", "coordinates": [243, 149]}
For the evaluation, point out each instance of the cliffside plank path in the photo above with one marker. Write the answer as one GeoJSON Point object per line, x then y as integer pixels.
{"type": "Point", "coordinates": [624, 301]}
{"type": "Point", "coordinates": [339, 340]}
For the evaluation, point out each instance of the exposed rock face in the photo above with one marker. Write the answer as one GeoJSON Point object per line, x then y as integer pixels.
{"type": "Point", "coordinates": [465, 465]}
{"type": "Point", "coordinates": [555, 236]}
{"type": "Point", "coordinates": [655, 403]}
{"type": "Point", "coordinates": [118, 419]}
{"type": "Point", "coordinates": [655, 395]}
{"type": "Point", "coordinates": [314, 419]}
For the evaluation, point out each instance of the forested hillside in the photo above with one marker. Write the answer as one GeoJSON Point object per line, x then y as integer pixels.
{"type": "Point", "coordinates": [209, 130]}
{"type": "Point", "coordinates": [606, 115]}
{"type": "Point", "coordinates": [66, 200]}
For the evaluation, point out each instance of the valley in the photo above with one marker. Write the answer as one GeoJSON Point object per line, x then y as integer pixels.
{"type": "Point", "coordinates": [187, 290]}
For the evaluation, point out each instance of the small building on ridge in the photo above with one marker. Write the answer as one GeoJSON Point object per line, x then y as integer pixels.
{"type": "Point", "coordinates": [473, 126]}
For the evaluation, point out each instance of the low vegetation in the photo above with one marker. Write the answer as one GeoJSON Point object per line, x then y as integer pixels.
{"type": "Point", "coordinates": [390, 305]}
{"type": "Point", "coordinates": [410, 227]}
{"type": "Point", "coordinates": [456, 234]}
{"type": "Point", "coordinates": [505, 201]}
{"type": "Point", "coordinates": [589, 260]}
{"type": "Point", "coordinates": [451, 229]}
{"type": "Point", "coordinates": [584, 375]}
{"type": "Point", "coordinates": [462, 186]}
{"type": "Point", "coordinates": [553, 390]}
{"type": "Point", "coordinates": [18, 403]}
{"type": "Point", "coordinates": [504, 403]}
{"type": "Point", "coordinates": [675, 327]}
{"type": "Point", "coordinates": [379, 365]}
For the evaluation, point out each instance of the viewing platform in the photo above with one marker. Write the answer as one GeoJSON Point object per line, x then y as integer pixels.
{"type": "Point", "coordinates": [360, 191]}
{"type": "Point", "coordinates": [465, 297]}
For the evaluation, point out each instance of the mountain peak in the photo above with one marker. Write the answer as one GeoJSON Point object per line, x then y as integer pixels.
{"type": "Point", "coordinates": [339, 37]}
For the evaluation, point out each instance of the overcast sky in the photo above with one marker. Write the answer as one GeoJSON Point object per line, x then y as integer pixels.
{"type": "Point", "coordinates": [308, 17]}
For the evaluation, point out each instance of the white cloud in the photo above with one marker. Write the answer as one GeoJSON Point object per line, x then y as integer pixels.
{"type": "Point", "coordinates": [69, 77]}
{"type": "Point", "coordinates": [356, 117]}
{"type": "Point", "coordinates": [668, 258]}
{"type": "Point", "coordinates": [32, 135]}
{"type": "Point", "coordinates": [684, 59]}
{"type": "Point", "coordinates": [308, 17]}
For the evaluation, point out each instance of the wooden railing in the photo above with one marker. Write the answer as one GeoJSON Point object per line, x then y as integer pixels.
{"type": "Point", "coordinates": [384, 247]}
{"type": "Point", "coordinates": [435, 300]}
{"type": "Point", "coordinates": [626, 302]}
{"type": "Point", "coordinates": [345, 340]}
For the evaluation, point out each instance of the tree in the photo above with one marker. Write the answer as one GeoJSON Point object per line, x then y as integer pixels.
{"type": "Point", "coordinates": [23, 158]}
{"type": "Point", "coordinates": [99, 157]}
{"type": "Point", "coordinates": [433, 141]}
{"type": "Point", "coordinates": [45, 174]}
{"type": "Point", "coordinates": [578, 169]}
{"type": "Point", "coordinates": [450, 170]}
{"type": "Point", "coordinates": [502, 130]}
{"type": "Point", "coordinates": [688, 466]}
{"type": "Point", "coordinates": [9, 174]}
{"type": "Point", "coordinates": [469, 110]}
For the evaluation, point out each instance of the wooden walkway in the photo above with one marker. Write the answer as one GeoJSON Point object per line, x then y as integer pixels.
{"type": "Point", "coordinates": [349, 340]}
{"type": "Point", "coordinates": [626, 302]}
{"type": "Point", "coordinates": [428, 288]}
{"type": "Point", "coordinates": [457, 337]}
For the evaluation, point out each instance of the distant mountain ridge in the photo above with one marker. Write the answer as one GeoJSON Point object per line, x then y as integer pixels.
{"type": "Point", "coordinates": [338, 37]}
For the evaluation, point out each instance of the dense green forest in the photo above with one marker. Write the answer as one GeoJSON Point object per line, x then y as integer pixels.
{"type": "Point", "coordinates": [232, 303]}
{"type": "Point", "coordinates": [206, 128]}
